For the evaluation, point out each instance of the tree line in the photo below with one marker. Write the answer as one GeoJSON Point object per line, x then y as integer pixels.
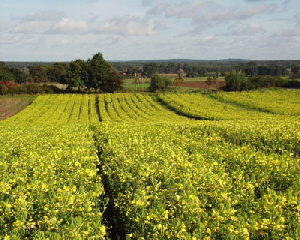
{"type": "Point", "coordinates": [238, 81]}
{"type": "Point", "coordinates": [100, 75]}
{"type": "Point", "coordinates": [195, 68]}
{"type": "Point", "coordinates": [95, 73]}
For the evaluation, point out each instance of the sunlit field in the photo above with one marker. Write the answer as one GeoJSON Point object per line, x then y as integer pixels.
{"type": "Point", "coordinates": [160, 166]}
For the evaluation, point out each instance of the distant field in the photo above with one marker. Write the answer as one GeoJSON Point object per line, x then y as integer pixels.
{"type": "Point", "coordinates": [10, 105]}
{"type": "Point", "coordinates": [202, 79]}
{"type": "Point", "coordinates": [129, 84]}
{"type": "Point", "coordinates": [188, 82]}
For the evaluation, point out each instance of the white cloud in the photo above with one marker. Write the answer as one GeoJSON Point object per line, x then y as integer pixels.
{"type": "Point", "coordinates": [10, 40]}
{"type": "Point", "coordinates": [62, 42]}
{"type": "Point", "coordinates": [187, 27]}
{"type": "Point", "coordinates": [191, 10]}
{"type": "Point", "coordinates": [127, 26]}
{"type": "Point", "coordinates": [269, 8]}
{"type": "Point", "coordinates": [249, 29]}
{"type": "Point", "coordinates": [147, 2]}
{"type": "Point", "coordinates": [159, 9]}
{"type": "Point", "coordinates": [288, 33]}
{"type": "Point", "coordinates": [207, 38]}
{"type": "Point", "coordinates": [256, 0]}
{"type": "Point", "coordinates": [203, 13]}
{"type": "Point", "coordinates": [217, 18]}
{"type": "Point", "coordinates": [209, 41]}
{"type": "Point", "coordinates": [44, 16]}
{"type": "Point", "coordinates": [36, 22]}
{"type": "Point", "coordinates": [30, 27]}
{"type": "Point", "coordinates": [68, 26]}
{"type": "Point", "coordinates": [3, 25]}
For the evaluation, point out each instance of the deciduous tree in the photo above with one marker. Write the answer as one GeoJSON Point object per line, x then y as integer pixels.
{"type": "Point", "coordinates": [149, 69]}
{"type": "Point", "coordinates": [38, 73]}
{"type": "Point", "coordinates": [102, 76]}
{"type": "Point", "coordinates": [76, 74]}
{"type": "Point", "coordinates": [158, 82]}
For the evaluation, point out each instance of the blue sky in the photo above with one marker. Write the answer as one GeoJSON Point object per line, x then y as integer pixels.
{"type": "Point", "coordinates": [65, 30]}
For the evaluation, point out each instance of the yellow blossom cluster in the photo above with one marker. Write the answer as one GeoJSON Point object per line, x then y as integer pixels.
{"type": "Point", "coordinates": [282, 101]}
{"type": "Point", "coordinates": [184, 181]}
{"type": "Point", "coordinates": [125, 166]}
{"type": "Point", "coordinates": [49, 183]}
{"type": "Point", "coordinates": [209, 107]}
{"type": "Point", "coordinates": [123, 107]}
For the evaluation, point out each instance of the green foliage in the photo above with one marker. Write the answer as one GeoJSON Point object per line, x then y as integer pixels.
{"type": "Point", "coordinates": [101, 75]}
{"type": "Point", "coordinates": [76, 74]}
{"type": "Point", "coordinates": [293, 84]}
{"type": "Point", "coordinates": [95, 73]}
{"type": "Point", "coordinates": [191, 74]}
{"type": "Point", "coordinates": [57, 72]}
{"type": "Point", "coordinates": [34, 89]}
{"type": "Point", "coordinates": [158, 82]}
{"type": "Point", "coordinates": [39, 74]}
{"type": "Point", "coordinates": [149, 69]}
{"type": "Point", "coordinates": [267, 81]}
{"type": "Point", "coordinates": [179, 79]}
{"type": "Point", "coordinates": [98, 71]}
{"type": "Point", "coordinates": [5, 74]}
{"type": "Point", "coordinates": [236, 81]}
{"type": "Point", "coordinates": [209, 80]}
{"type": "Point", "coordinates": [113, 83]}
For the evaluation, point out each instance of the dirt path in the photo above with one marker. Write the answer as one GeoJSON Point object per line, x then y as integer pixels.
{"type": "Point", "coordinates": [13, 105]}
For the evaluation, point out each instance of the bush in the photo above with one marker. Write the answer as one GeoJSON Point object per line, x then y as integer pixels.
{"type": "Point", "coordinates": [293, 84]}
{"type": "Point", "coordinates": [3, 89]}
{"type": "Point", "coordinates": [158, 82]}
{"type": "Point", "coordinates": [33, 89]}
{"type": "Point", "coordinates": [6, 86]}
{"type": "Point", "coordinates": [191, 74]}
{"type": "Point", "coordinates": [236, 81]}
{"type": "Point", "coordinates": [267, 81]}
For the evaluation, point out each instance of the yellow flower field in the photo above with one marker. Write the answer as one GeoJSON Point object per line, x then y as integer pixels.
{"type": "Point", "coordinates": [134, 166]}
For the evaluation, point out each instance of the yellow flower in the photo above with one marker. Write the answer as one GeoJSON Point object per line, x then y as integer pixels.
{"type": "Point", "coordinates": [103, 229]}
{"type": "Point", "coordinates": [8, 205]}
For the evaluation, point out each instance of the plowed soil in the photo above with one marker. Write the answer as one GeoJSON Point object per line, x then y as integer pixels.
{"type": "Point", "coordinates": [11, 106]}
{"type": "Point", "coordinates": [202, 84]}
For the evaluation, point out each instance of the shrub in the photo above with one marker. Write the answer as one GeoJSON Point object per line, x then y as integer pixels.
{"type": "Point", "coordinates": [267, 81]}
{"type": "Point", "coordinates": [6, 86]}
{"type": "Point", "coordinates": [34, 89]}
{"type": "Point", "coordinates": [236, 81]}
{"type": "Point", "coordinates": [158, 82]}
{"type": "Point", "coordinates": [293, 84]}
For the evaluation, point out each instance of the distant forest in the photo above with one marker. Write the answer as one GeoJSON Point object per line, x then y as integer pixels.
{"type": "Point", "coordinates": [106, 76]}
{"type": "Point", "coordinates": [192, 68]}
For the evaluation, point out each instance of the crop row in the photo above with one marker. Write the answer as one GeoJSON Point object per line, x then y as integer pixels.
{"type": "Point", "coordinates": [60, 109]}
{"type": "Point", "coordinates": [180, 181]}
{"type": "Point", "coordinates": [49, 185]}
{"type": "Point", "coordinates": [133, 107]}
{"type": "Point", "coordinates": [201, 107]}
{"type": "Point", "coordinates": [277, 136]}
{"type": "Point", "coordinates": [286, 102]}
{"type": "Point", "coordinates": [166, 177]}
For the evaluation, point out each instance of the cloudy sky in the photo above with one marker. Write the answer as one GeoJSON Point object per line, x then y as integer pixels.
{"type": "Point", "coordinates": [65, 30]}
